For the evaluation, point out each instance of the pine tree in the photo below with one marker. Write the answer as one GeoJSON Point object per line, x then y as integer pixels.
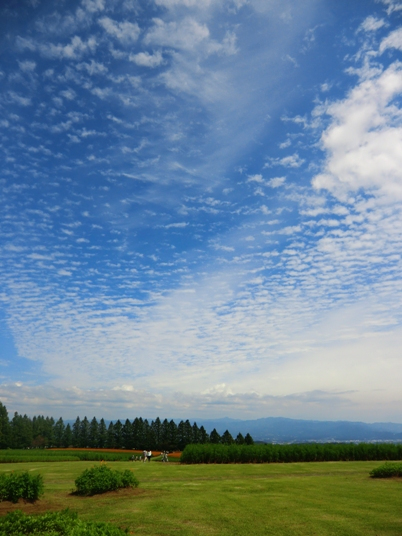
{"type": "Point", "coordinates": [67, 436]}
{"type": "Point", "coordinates": [214, 437]}
{"type": "Point", "coordinates": [58, 433]}
{"type": "Point", "coordinates": [249, 440]}
{"type": "Point", "coordinates": [227, 438]}
{"type": "Point", "coordinates": [118, 435]}
{"type": "Point", "coordinates": [84, 433]}
{"type": "Point", "coordinates": [110, 441]}
{"type": "Point", "coordinates": [239, 439]}
{"type": "Point", "coordinates": [5, 432]}
{"type": "Point", "coordinates": [102, 434]}
{"type": "Point", "coordinates": [203, 434]}
{"type": "Point", "coordinates": [93, 439]}
{"type": "Point", "coordinates": [128, 435]}
{"type": "Point", "coordinates": [76, 433]}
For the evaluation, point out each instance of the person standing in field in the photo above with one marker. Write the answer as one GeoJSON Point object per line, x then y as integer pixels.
{"type": "Point", "coordinates": [145, 456]}
{"type": "Point", "coordinates": [149, 455]}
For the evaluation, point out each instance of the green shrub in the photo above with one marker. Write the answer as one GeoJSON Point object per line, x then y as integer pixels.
{"type": "Point", "coordinates": [16, 486]}
{"type": "Point", "coordinates": [387, 470]}
{"type": "Point", "coordinates": [101, 478]}
{"type": "Point", "coordinates": [63, 523]}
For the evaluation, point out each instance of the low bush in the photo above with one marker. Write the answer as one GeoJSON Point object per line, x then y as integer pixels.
{"type": "Point", "coordinates": [387, 470]}
{"type": "Point", "coordinates": [63, 523]}
{"type": "Point", "coordinates": [14, 486]}
{"type": "Point", "coordinates": [101, 478]}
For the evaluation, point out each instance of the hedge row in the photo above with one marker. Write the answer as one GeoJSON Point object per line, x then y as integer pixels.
{"type": "Point", "coordinates": [308, 452]}
{"type": "Point", "coordinates": [63, 523]}
{"type": "Point", "coordinates": [45, 455]}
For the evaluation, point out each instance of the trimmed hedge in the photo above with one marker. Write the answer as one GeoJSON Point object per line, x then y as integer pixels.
{"type": "Point", "coordinates": [101, 478]}
{"type": "Point", "coordinates": [46, 455]}
{"type": "Point", "coordinates": [387, 470]}
{"type": "Point", "coordinates": [14, 486]}
{"type": "Point", "coordinates": [305, 452]}
{"type": "Point", "coordinates": [63, 523]}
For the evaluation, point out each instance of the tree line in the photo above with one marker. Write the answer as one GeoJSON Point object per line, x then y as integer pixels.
{"type": "Point", "coordinates": [39, 432]}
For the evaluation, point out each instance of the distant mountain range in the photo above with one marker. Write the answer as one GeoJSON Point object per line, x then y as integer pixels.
{"type": "Point", "coordinates": [282, 430]}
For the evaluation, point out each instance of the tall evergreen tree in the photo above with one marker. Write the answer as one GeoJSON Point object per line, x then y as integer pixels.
{"type": "Point", "coordinates": [138, 433]}
{"type": "Point", "coordinates": [67, 436]}
{"type": "Point", "coordinates": [118, 435]}
{"type": "Point", "coordinates": [84, 433]}
{"type": "Point", "coordinates": [164, 437]}
{"type": "Point", "coordinates": [203, 435]}
{"type": "Point", "coordinates": [227, 438]}
{"type": "Point", "coordinates": [49, 430]}
{"type": "Point", "coordinates": [195, 434]}
{"type": "Point", "coordinates": [21, 432]}
{"type": "Point", "coordinates": [145, 435]}
{"type": "Point", "coordinates": [102, 437]}
{"type": "Point", "coordinates": [239, 439]}
{"type": "Point", "coordinates": [249, 440]}
{"type": "Point", "coordinates": [173, 435]}
{"type": "Point", "coordinates": [93, 440]}
{"type": "Point", "coordinates": [214, 437]}
{"type": "Point", "coordinates": [110, 440]}
{"type": "Point", "coordinates": [156, 427]}
{"type": "Point", "coordinates": [5, 432]}
{"type": "Point", "coordinates": [58, 433]}
{"type": "Point", "coordinates": [128, 435]}
{"type": "Point", "coordinates": [76, 433]}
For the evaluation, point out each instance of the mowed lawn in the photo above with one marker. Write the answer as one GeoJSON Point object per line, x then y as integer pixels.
{"type": "Point", "coordinates": [332, 498]}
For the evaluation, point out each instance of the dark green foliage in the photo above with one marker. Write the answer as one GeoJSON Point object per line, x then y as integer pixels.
{"type": "Point", "coordinates": [16, 486]}
{"type": "Point", "coordinates": [45, 455]}
{"type": "Point", "coordinates": [5, 431]}
{"type": "Point", "coordinates": [309, 452]}
{"type": "Point", "coordinates": [101, 478]}
{"type": "Point", "coordinates": [387, 470]}
{"type": "Point", "coordinates": [214, 437]}
{"type": "Point", "coordinates": [227, 438]}
{"type": "Point", "coordinates": [63, 523]}
{"type": "Point", "coordinates": [45, 432]}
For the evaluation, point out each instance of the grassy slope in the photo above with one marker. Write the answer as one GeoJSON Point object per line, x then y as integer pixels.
{"type": "Point", "coordinates": [290, 499]}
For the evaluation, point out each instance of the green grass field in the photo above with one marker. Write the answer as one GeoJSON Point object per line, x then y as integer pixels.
{"type": "Point", "coordinates": [332, 498]}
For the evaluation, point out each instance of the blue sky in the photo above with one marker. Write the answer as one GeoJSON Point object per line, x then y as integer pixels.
{"type": "Point", "coordinates": [201, 208]}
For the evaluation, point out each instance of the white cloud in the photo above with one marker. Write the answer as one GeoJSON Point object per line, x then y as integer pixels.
{"type": "Point", "coordinates": [75, 49]}
{"type": "Point", "coordinates": [276, 182]}
{"type": "Point", "coordinates": [18, 99]}
{"type": "Point", "coordinates": [125, 32]}
{"type": "Point", "coordinates": [363, 142]}
{"type": "Point", "coordinates": [393, 5]}
{"type": "Point", "coordinates": [371, 24]}
{"type": "Point", "coordinates": [291, 161]}
{"type": "Point", "coordinates": [27, 66]}
{"type": "Point", "coordinates": [179, 225]}
{"type": "Point", "coordinates": [186, 3]}
{"type": "Point", "coordinates": [393, 40]}
{"type": "Point", "coordinates": [255, 178]}
{"type": "Point", "coordinates": [145, 59]}
{"type": "Point", "coordinates": [186, 34]}
{"type": "Point", "coordinates": [69, 94]}
{"type": "Point", "coordinates": [92, 6]}
{"type": "Point", "coordinates": [93, 67]}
